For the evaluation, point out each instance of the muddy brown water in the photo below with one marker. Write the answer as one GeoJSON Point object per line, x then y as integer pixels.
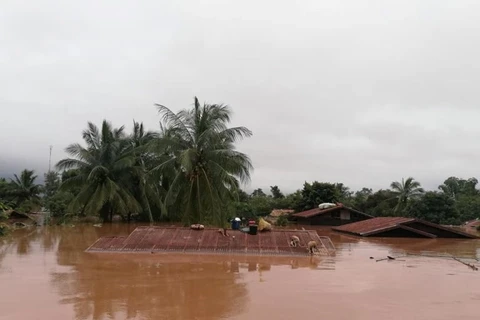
{"type": "Point", "coordinates": [45, 274]}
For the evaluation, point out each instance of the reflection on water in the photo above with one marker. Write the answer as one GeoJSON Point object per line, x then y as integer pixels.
{"type": "Point", "coordinates": [48, 268]}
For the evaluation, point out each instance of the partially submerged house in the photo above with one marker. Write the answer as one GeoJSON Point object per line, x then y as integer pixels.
{"type": "Point", "coordinates": [333, 216]}
{"type": "Point", "coordinates": [211, 241]}
{"type": "Point", "coordinates": [401, 227]}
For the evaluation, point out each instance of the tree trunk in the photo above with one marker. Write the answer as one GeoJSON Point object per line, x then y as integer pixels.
{"type": "Point", "coordinates": [145, 203]}
{"type": "Point", "coordinates": [105, 213]}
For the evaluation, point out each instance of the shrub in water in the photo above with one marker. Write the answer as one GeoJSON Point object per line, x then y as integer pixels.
{"type": "Point", "coordinates": [282, 221]}
{"type": "Point", "coordinates": [4, 229]}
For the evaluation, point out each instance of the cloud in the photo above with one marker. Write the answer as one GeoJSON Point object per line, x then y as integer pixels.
{"type": "Point", "coordinates": [362, 92]}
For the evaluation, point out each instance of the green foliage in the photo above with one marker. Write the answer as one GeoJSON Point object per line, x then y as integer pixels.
{"type": "Point", "coordinates": [3, 216]}
{"type": "Point", "coordinates": [57, 205]}
{"type": "Point", "coordinates": [4, 207]}
{"type": "Point", "coordinates": [258, 193]}
{"type": "Point", "coordinates": [317, 193]}
{"type": "Point", "coordinates": [103, 172]}
{"type": "Point", "coordinates": [381, 203]}
{"type": "Point", "coordinates": [244, 209]}
{"type": "Point", "coordinates": [343, 192]}
{"type": "Point", "coordinates": [4, 229]}
{"type": "Point", "coordinates": [23, 191]}
{"type": "Point", "coordinates": [468, 207]}
{"type": "Point", "coordinates": [52, 184]}
{"type": "Point", "coordinates": [282, 221]}
{"type": "Point", "coordinates": [28, 206]}
{"type": "Point", "coordinates": [406, 190]}
{"type": "Point", "coordinates": [276, 193]}
{"type": "Point", "coordinates": [203, 167]}
{"type": "Point", "coordinates": [190, 171]}
{"type": "Point", "coordinates": [455, 187]}
{"type": "Point", "coordinates": [261, 206]}
{"type": "Point", "coordinates": [359, 199]}
{"type": "Point", "coordinates": [435, 207]}
{"type": "Point", "coordinates": [4, 192]}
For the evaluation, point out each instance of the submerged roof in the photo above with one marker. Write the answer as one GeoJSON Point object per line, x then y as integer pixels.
{"type": "Point", "coordinates": [380, 225]}
{"type": "Point", "coordinates": [161, 239]}
{"type": "Point", "coordinates": [318, 211]}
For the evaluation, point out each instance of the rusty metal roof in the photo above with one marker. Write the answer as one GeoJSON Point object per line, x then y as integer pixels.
{"type": "Point", "coordinates": [317, 211]}
{"type": "Point", "coordinates": [161, 239]}
{"type": "Point", "coordinates": [372, 225]}
{"type": "Point", "coordinates": [383, 224]}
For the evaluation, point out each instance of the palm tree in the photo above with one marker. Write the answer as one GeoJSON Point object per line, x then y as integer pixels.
{"type": "Point", "coordinates": [104, 168]}
{"type": "Point", "coordinates": [201, 168]}
{"type": "Point", "coordinates": [145, 187]}
{"type": "Point", "coordinates": [406, 190]}
{"type": "Point", "coordinates": [24, 188]}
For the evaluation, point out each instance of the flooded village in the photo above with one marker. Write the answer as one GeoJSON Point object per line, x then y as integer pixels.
{"type": "Point", "coordinates": [130, 227]}
{"type": "Point", "coordinates": [239, 160]}
{"type": "Point", "coordinates": [126, 271]}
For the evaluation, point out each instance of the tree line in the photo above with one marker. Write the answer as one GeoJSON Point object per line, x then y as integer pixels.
{"type": "Point", "coordinates": [187, 171]}
{"type": "Point", "coordinates": [190, 171]}
{"type": "Point", "coordinates": [456, 201]}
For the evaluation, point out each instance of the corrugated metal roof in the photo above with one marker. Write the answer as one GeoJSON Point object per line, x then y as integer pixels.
{"type": "Point", "coordinates": [372, 225]}
{"type": "Point", "coordinates": [317, 211]}
{"type": "Point", "coordinates": [314, 212]}
{"type": "Point", "coordinates": [161, 239]}
{"type": "Point", "coordinates": [382, 224]}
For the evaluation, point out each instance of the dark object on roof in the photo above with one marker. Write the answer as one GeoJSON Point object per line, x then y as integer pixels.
{"type": "Point", "coordinates": [401, 227]}
{"type": "Point", "coordinates": [208, 240]}
{"type": "Point", "coordinates": [334, 216]}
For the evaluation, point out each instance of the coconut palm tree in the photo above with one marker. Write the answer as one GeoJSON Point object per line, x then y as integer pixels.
{"type": "Point", "coordinates": [104, 168]}
{"type": "Point", "coordinates": [145, 187]}
{"type": "Point", "coordinates": [24, 188]}
{"type": "Point", "coordinates": [406, 190]}
{"type": "Point", "coordinates": [201, 166]}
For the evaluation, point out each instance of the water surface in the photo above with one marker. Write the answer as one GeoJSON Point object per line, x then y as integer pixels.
{"type": "Point", "coordinates": [45, 274]}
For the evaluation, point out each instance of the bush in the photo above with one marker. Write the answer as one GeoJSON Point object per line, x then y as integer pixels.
{"type": "Point", "coordinates": [4, 206]}
{"type": "Point", "coordinates": [57, 205]}
{"type": "Point", "coordinates": [282, 221]}
{"type": "Point", "coordinates": [3, 216]}
{"type": "Point", "coordinates": [4, 229]}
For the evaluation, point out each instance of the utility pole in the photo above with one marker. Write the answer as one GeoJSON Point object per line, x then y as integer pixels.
{"type": "Point", "coordinates": [50, 160]}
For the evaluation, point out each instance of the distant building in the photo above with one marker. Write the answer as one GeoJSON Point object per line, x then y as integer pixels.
{"type": "Point", "coordinates": [335, 216]}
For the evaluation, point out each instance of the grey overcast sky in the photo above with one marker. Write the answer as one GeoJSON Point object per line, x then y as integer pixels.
{"type": "Point", "coordinates": [359, 92]}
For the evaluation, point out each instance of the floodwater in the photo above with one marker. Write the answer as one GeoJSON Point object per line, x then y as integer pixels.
{"type": "Point", "coordinates": [45, 274]}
